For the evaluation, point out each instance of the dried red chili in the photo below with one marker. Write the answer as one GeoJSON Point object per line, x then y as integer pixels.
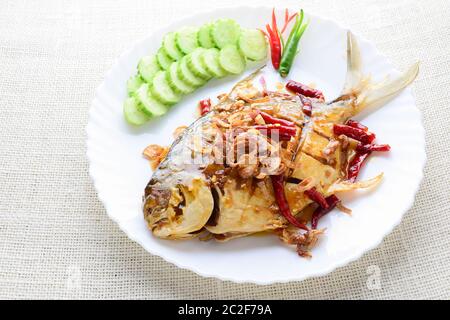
{"type": "Point", "coordinates": [317, 197]}
{"type": "Point", "coordinates": [278, 188]}
{"type": "Point", "coordinates": [354, 133]}
{"type": "Point", "coordinates": [366, 148]}
{"type": "Point", "coordinates": [284, 132]}
{"type": "Point", "coordinates": [205, 106]}
{"type": "Point", "coordinates": [307, 106]}
{"type": "Point", "coordinates": [272, 120]}
{"type": "Point", "coordinates": [332, 201]}
{"type": "Point", "coordinates": [356, 124]}
{"type": "Point", "coordinates": [355, 166]}
{"type": "Point", "coordinates": [299, 88]}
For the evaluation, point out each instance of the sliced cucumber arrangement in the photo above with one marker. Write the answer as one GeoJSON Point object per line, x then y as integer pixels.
{"type": "Point", "coordinates": [147, 68]}
{"type": "Point", "coordinates": [210, 61]}
{"type": "Point", "coordinates": [187, 76]}
{"type": "Point", "coordinates": [253, 44]}
{"type": "Point", "coordinates": [225, 32]}
{"type": "Point", "coordinates": [147, 104]}
{"type": "Point", "coordinates": [186, 60]}
{"type": "Point", "coordinates": [231, 60]}
{"type": "Point", "coordinates": [195, 64]}
{"type": "Point", "coordinates": [133, 84]}
{"type": "Point", "coordinates": [164, 61]}
{"type": "Point", "coordinates": [186, 39]}
{"type": "Point", "coordinates": [171, 47]}
{"type": "Point", "coordinates": [132, 113]}
{"type": "Point", "coordinates": [204, 36]}
{"type": "Point", "coordinates": [161, 90]}
{"type": "Point", "coordinates": [178, 85]}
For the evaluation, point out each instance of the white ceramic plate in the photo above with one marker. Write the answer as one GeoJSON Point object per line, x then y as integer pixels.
{"type": "Point", "coordinates": [120, 173]}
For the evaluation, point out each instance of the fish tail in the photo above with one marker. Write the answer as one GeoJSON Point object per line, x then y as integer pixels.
{"type": "Point", "coordinates": [369, 96]}
{"type": "Point", "coordinates": [354, 66]}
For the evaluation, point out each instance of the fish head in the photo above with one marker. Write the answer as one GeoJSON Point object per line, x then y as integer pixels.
{"type": "Point", "coordinates": [178, 199]}
{"type": "Point", "coordinates": [180, 212]}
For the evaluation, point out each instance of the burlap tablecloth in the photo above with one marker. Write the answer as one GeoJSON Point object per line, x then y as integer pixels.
{"type": "Point", "coordinates": [56, 240]}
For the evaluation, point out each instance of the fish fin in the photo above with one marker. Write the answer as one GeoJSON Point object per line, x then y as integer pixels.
{"type": "Point", "coordinates": [247, 79]}
{"type": "Point", "coordinates": [354, 65]}
{"type": "Point", "coordinates": [343, 186]}
{"type": "Point", "coordinates": [368, 96]}
{"type": "Point", "coordinates": [374, 97]}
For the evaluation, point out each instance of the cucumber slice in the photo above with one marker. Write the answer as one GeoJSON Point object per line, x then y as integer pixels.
{"type": "Point", "coordinates": [210, 61]}
{"type": "Point", "coordinates": [186, 39]}
{"type": "Point", "coordinates": [178, 85]}
{"type": "Point", "coordinates": [225, 32]}
{"type": "Point", "coordinates": [187, 76]}
{"type": "Point", "coordinates": [195, 65]}
{"type": "Point", "coordinates": [204, 36]}
{"type": "Point", "coordinates": [164, 60]}
{"type": "Point", "coordinates": [161, 90]}
{"type": "Point", "coordinates": [253, 44]}
{"type": "Point", "coordinates": [148, 67]}
{"type": "Point", "coordinates": [132, 113]}
{"type": "Point", "coordinates": [147, 104]}
{"type": "Point", "coordinates": [171, 48]}
{"type": "Point", "coordinates": [133, 84]}
{"type": "Point", "coordinates": [232, 60]}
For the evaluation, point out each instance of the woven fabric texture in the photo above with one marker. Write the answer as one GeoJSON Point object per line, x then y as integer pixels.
{"type": "Point", "coordinates": [56, 240]}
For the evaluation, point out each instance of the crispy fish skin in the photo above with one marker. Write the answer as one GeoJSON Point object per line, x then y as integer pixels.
{"type": "Point", "coordinates": [245, 209]}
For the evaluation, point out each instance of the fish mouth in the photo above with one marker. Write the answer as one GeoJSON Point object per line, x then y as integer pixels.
{"type": "Point", "coordinates": [179, 213]}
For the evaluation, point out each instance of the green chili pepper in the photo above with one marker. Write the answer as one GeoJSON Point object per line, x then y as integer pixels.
{"type": "Point", "coordinates": [291, 47]}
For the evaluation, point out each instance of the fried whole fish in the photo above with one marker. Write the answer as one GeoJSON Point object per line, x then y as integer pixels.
{"type": "Point", "coordinates": [216, 177]}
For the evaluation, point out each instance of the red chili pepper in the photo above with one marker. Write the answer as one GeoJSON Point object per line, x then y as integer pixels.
{"type": "Point", "coordinates": [363, 152]}
{"type": "Point", "coordinates": [356, 124]}
{"type": "Point", "coordinates": [366, 148]}
{"type": "Point", "coordinates": [355, 166]}
{"type": "Point", "coordinates": [307, 106]}
{"type": "Point", "coordinates": [280, 197]}
{"type": "Point", "coordinates": [205, 106]}
{"type": "Point", "coordinates": [275, 46]}
{"type": "Point", "coordinates": [317, 197]}
{"type": "Point", "coordinates": [274, 21]}
{"type": "Point", "coordinates": [354, 133]}
{"type": "Point", "coordinates": [272, 120]}
{"type": "Point", "coordinates": [332, 201]}
{"type": "Point", "coordinates": [275, 41]}
{"type": "Point", "coordinates": [299, 88]}
{"type": "Point", "coordinates": [285, 133]}
{"type": "Point", "coordinates": [287, 19]}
